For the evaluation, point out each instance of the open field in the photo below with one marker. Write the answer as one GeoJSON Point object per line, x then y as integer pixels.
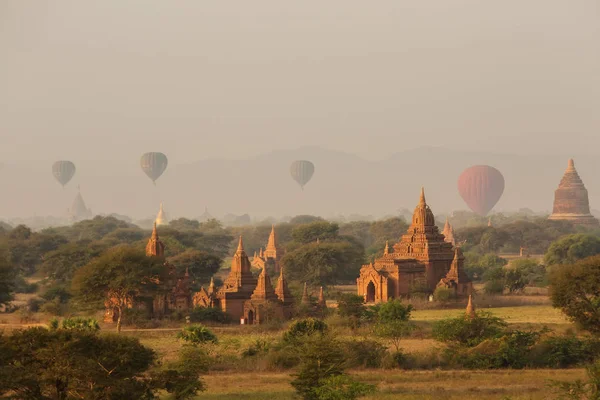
{"type": "Point", "coordinates": [403, 385]}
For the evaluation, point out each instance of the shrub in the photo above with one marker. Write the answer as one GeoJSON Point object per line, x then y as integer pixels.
{"type": "Point", "coordinates": [364, 353]}
{"type": "Point", "coordinates": [469, 331]}
{"type": "Point", "coordinates": [351, 305]}
{"type": "Point", "coordinates": [209, 314]}
{"type": "Point", "coordinates": [34, 304]}
{"type": "Point", "coordinates": [259, 346]}
{"type": "Point", "coordinates": [342, 387]}
{"type": "Point", "coordinates": [303, 328]}
{"type": "Point", "coordinates": [197, 335]}
{"type": "Point", "coordinates": [564, 351]}
{"type": "Point", "coordinates": [393, 311]}
{"type": "Point", "coordinates": [444, 295]}
{"type": "Point", "coordinates": [494, 287]}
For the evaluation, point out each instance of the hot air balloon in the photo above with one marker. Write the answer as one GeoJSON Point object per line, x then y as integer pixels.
{"type": "Point", "coordinates": [154, 164]}
{"type": "Point", "coordinates": [481, 187]}
{"type": "Point", "coordinates": [63, 171]}
{"type": "Point", "coordinates": [302, 171]}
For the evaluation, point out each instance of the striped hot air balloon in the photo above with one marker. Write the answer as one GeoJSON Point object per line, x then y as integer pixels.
{"type": "Point", "coordinates": [63, 171]}
{"type": "Point", "coordinates": [481, 186]}
{"type": "Point", "coordinates": [302, 172]}
{"type": "Point", "coordinates": [153, 165]}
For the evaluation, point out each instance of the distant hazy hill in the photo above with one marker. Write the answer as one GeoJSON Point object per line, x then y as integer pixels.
{"type": "Point", "coordinates": [262, 186]}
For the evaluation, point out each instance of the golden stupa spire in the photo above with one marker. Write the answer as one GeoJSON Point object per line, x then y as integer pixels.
{"type": "Point", "coordinates": [161, 218]}
{"type": "Point", "coordinates": [386, 250]}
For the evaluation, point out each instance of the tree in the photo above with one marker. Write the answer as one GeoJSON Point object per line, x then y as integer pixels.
{"type": "Point", "coordinates": [572, 248]}
{"type": "Point", "coordinates": [121, 276]}
{"type": "Point", "coordinates": [321, 357]}
{"type": "Point", "coordinates": [575, 289]}
{"type": "Point", "coordinates": [7, 282]}
{"type": "Point", "coordinates": [182, 224]}
{"type": "Point", "coordinates": [393, 322]}
{"type": "Point", "coordinates": [61, 264]}
{"type": "Point", "coordinates": [200, 264]}
{"type": "Point", "coordinates": [64, 364]}
{"type": "Point", "coordinates": [324, 263]}
{"type": "Point", "coordinates": [309, 233]}
{"type": "Point", "coordinates": [469, 331]}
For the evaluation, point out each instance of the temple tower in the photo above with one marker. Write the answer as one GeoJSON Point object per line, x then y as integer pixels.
{"type": "Point", "coordinates": [161, 217]}
{"type": "Point", "coordinates": [571, 202]}
{"type": "Point", "coordinates": [155, 248]}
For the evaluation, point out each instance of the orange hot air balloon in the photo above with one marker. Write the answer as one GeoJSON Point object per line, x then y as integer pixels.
{"type": "Point", "coordinates": [481, 186]}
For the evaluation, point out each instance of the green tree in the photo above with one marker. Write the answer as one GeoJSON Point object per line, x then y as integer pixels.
{"type": "Point", "coordinates": [572, 248]}
{"type": "Point", "coordinates": [200, 265]}
{"type": "Point", "coordinates": [469, 331]}
{"type": "Point", "coordinates": [325, 263]}
{"type": "Point", "coordinates": [66, 364]}
{"type": "Point", "coordinates": [321, 357]}
{"type": "Point", "coordinates": [61, 264]}
{"type": "Point", "coordinates": [7, 282]}
{"type": "Point", "coordinates": [575, 289]}
{"type": "Point", "coordinates": [303, 328]}
{"type": "Point", "coordinates": [394, 310]}
{"type": "Point", "coordinates": [122, 275]}
{"type": "Point", "coordinates": [309, 233]}
{"type": "Point", "coordinates": [183, 224]}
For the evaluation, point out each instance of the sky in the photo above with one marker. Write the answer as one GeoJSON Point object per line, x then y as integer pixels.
{"type": "Point", "coordinates": [111, 79]}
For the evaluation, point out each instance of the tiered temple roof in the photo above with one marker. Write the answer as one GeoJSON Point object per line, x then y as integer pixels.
{"type": "Point", "coordinates": [571, 202]}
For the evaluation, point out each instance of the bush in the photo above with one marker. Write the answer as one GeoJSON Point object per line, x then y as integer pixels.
{"type": "Point", "coordinates": [34, 304]}
{"type": "Point", "coordinates": [22, 286]}
{"type": "Point", "coordinates": [444, 295]}
{"type": "Point", "coordinates": [259, 346]}
{"type": "Point", "coordinates": [197, 334]}
{"type": "Point", "coordinates": [365, 353]}
{"type": "Point", "coordinates": [469, 331]}
{"type": "Point", "coordinates": [303, 328]}
{"type": "Point", "coordinates": [351, 305]}
{"type": "Point", "coordinates": [342, 387]}
{"type": "Point", "coordinates": [209, 314]}
{"type": "Point", "coordinates": [563, 352]}
{"type": "Point", "coordinates": [393, 311]}
{"type": "Point", "coordinates": [494, 287]}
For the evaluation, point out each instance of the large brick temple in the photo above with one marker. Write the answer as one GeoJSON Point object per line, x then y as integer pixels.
{"type": "Point", "coordinates": [421, 261]}
{"type": "Point", "coordinates": [571, 202]}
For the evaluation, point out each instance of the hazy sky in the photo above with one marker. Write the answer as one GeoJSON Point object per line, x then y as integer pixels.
{"type": "Point", "coordinates": [112, 79]}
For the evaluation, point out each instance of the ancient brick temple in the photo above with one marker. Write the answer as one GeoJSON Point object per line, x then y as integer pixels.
{"type": "Point", "coordinates": [271, 256]}
{"type": "Point", "coordinates": [245, 297]}
{"type": "Point", "coordinates": [571, 201]}
{"type": "Point", "coordinates": [177, 298]}
{"type": "Point", "coordinates": [422, 261]}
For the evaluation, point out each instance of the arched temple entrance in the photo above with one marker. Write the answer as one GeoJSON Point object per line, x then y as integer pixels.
{"type": "Point", "coordinates": [250, 317]}
{"type": "Point", "coordinates": [370, 298]}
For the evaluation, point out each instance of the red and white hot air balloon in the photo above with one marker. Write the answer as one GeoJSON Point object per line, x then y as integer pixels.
{"type": "Point", "coordinates": [481, 186]}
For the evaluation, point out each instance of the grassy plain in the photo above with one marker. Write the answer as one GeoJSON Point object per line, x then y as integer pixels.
{"type": "Point", "coordinates": [402, 385]}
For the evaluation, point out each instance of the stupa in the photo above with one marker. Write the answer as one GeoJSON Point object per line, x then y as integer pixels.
{"type": "Point", "coordinates": [571, 201]}
{"type": "Point", "coordinates": [78, 210]}
{"type": "Point", "coordinates": [161, 217]}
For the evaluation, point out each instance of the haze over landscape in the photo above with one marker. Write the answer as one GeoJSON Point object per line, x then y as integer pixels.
{"type": "Point", "coordinates": [383, 99]}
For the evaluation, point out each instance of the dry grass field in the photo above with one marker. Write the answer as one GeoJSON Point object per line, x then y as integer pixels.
{"type": "Point", "coordinates": [402, 385]}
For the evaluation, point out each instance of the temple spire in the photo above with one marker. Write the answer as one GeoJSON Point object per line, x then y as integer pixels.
{"type": "Point", "coordinates": [305, 298]}
{"type": "Point", "coordinates": [470, 312]}
{"type": "Point", "coordinates": [321, 302]}
{"type": "Point", "coordinates": [154, 232]}
{"type": "Point", "coordinates": [240, 247]}
{"type": "Point", "coordinates": [386, 250]}
{"type": "Point", "coordinates": [422, 197]}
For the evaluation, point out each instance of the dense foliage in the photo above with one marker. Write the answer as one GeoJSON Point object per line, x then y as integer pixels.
{"type": "Point", "coordinates": [575, 289]}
